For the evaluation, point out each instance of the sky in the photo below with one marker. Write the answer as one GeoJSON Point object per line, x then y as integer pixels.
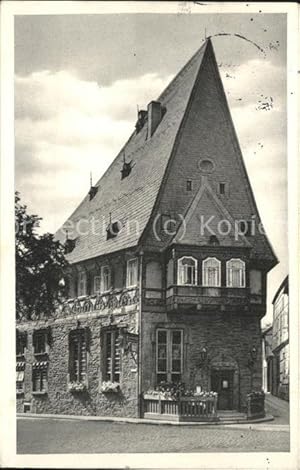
{"type": "Point", "coordinates": [80, 78]}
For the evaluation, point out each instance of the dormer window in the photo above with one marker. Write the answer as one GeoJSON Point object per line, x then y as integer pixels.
{"type": "Point", "coordinates": [113, 229]}
{"type": "Point", "coordinates": [126, 170]}
{"type": "Point", "coordinates": [211, 272]}
{"type": "Point", "coordinates": [69, 245]}
{"type": "Point", "coordinates": [142, 116]}
{"type": "Point", "coordinates": [92, 192]}
{"type": "Point", "coordinates": [187, 271]}
{"type": "Point", "coordinates": [235, 273]}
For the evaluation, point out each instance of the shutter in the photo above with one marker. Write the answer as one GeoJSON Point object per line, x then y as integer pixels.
{"type": "Point", "coordinates": [117, 357]}
{"type": "Point", "coordinates": [36, 380]}
{"type": "Point", "coordinates": [43, 372]}
{"type": "Point", "coordinates": [108, 355]}
{"type": "Point", "coordinates": [82, 353]}
{"type": "Point", "coordinates": [71, 357]}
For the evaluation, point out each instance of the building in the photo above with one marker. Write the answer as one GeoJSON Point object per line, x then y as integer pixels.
{"type": "Point", "coordinates": [267, 358]}
{"type": "Point", "coordinates": [168, 268]}
{"type": "Point", "coordinates": [280, 343]}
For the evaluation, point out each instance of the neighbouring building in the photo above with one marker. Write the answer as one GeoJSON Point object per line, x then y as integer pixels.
{"type": "Point", "coordinates": [280, 342]}
{"type": "Point", "coordinates": [267, 358]}
{"type": "Point", "coordinates": [168, 269]}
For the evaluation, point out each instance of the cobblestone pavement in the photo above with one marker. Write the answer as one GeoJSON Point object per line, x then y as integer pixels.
{"type": "Point", "coordinates": [278, 408]}
{"type": "Point", "coordinates": [40, 436]}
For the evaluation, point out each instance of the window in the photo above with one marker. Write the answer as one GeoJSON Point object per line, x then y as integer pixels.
{"type": "Point", "coordinates": [21, 340]}
{"type": "Point", "coordinates": [132, 272]}
{"type": "Point", "coordinates": [211, 272]}
{"type": "Point", "coordinates": [245, 227]}
{"type": "Point", "coordinates": [82, 284]}
{"type": "Point", "coordinates": [40, 342]}
{"type": "Point", "coordinates": [189, 185]}
{"type": "Point", "coordinates": [113, 229]}
{"type": "Point", "coordinates": [97, 284]}
{"type": "Point", "coordinates": [77, 356]}
{"type": "Point", "coordinates": [105, 278]}
{"type": "Point", "coordinates": [187, 271]}
{"type": "Point", "coordinates": [222, 189]}
{"type": "Point", "coordinates": [20, 381]}
{"type": "Point", "coordinates": [20, 373]}
{"type": "Point", "coordinates": [169, 355]}
{"type": "Point", "coordinates": [39, 377]}
{"type": "Point", "coordinates": [126, 169]}
{"type": "Point", "coordinates": [112, 356]}
{"type": "Point", "coordinates": [235, 273]}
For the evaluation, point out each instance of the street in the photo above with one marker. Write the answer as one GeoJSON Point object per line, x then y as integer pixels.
{"type": "Point", "coordinates": [55, 435]}
{"type": "Point", "coordinates": [40, 436]}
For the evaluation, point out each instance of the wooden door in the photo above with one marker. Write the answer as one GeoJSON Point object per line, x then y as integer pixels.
{"type": "Point", "coordinates": [222, 383]}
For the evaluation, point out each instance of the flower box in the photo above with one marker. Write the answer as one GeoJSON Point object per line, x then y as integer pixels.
{"type": "Point", "coordinates": [110, 387]}
{"type": "Point", "coordinates": [196, 407]}
{"type": "Point", "coordinates": [77, 387]}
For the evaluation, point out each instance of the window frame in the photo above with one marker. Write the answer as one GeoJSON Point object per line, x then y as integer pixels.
{"type": "Point", "coordinates": [42, 334]}
{"type": "Point", "coordinates": [73, 375]}
{"type": "Point", "coordinates": [169, 356]}
{"type": "Point", "coordinates": [84, 274]}
{"type": "Point", "coordinates": [181, 271]}
{"type": "Point", "coordinates": [204, 271]}
{"type": "Point", "coordinates": [40, 371]}
{"type": "Point", "coordinates": [128, 285]}
{"type": "Point", "coordinates": [21, 343]}
{"type": "Point", "coordinates": [18, 381]}
{"type": "Point", "coordinates": [97, 291]}
{"type": "Point", "coordinates": [242, 276]}
{"type": "Point", "coordinates": [102, 290]}
{"type": "Point", "coordinates": [111, 375]}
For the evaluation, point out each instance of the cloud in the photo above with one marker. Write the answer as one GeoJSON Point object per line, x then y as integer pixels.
{"type": "Point", "coordinates": [66, 127]}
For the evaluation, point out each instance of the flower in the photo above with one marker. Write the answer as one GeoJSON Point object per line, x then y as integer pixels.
{"type": "Point", "coordinates": [109, 386]}
{"type": "Point", "coordinates": [173, 391]}
{"type": "Point", "coordinates": [76, 387]}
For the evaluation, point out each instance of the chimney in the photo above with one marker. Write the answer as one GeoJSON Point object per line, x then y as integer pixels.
{"type": "Point", "coordinates": [154, 117]}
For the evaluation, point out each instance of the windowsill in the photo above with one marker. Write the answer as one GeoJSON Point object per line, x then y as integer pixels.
{"type": "Point", "coordinates": [187, 285]}
{"type": "Point", "coordinates": [131, 287]}
{"type": "Point", "coordinates": [39, 392]}
{"type": "Point", "coordinates": [41, 353]}
{"type": "Point", "coordinates": [235, 287]}
{"type": "Point", "coordinates": [20, 392]}
{"type": "Point", "coordinates": [20, 357]}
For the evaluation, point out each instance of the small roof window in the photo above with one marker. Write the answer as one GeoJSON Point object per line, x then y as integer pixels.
{"type": "Point", "coordinates": [113, 229]}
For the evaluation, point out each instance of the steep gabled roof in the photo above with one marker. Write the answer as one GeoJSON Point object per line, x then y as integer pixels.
{"type": "Point", "coordinates": [196, 125]}
{"type": "Point", "coordinates": [131, 200]}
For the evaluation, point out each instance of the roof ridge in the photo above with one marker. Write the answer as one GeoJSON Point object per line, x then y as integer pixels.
{"type": "Point", "coordinates": [181, 72]}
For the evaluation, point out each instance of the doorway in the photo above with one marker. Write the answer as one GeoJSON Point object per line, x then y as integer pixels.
{"type": "Point", "coordinates": [222, 383]}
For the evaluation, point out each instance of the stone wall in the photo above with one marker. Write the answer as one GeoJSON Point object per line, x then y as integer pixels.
{"type": "Point", "coordinates": [58, 399]}
{"type": "Point", "coordinates": [228, 339]}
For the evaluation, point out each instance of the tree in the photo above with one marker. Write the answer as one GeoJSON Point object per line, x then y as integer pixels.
{"type": "Point", "coordinates": [40, 266]}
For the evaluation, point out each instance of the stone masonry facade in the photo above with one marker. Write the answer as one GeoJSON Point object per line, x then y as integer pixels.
{"type": "Point", "coordinates": [58, 399]}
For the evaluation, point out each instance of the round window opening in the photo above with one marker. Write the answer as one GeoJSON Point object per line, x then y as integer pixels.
{"type": "Point", "coordinates": [206, 165]}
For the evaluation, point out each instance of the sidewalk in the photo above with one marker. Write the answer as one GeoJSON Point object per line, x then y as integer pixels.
{"type": "Point", "coordinates": [238, 423]}
{"type": "Point", "coordinates": [278, 408]}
